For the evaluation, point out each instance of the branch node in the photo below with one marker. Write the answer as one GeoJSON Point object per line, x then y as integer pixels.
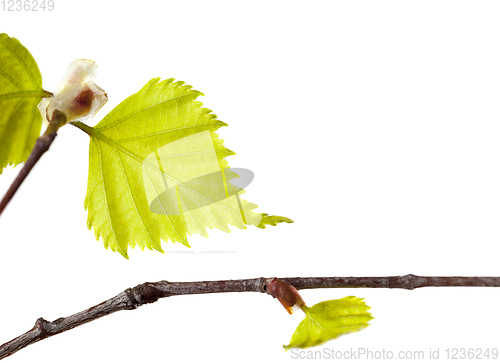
{"type": "Point", "coordinates": [411, 281]}
{"type": "Point", "coordinates": [134, 304]}
{"type": "Point", "coordinates": [145, 293]}
{"type": "Point", "coordinates": [40, 325]}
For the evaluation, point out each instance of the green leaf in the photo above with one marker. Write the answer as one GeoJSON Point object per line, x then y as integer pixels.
{"type": "Point", "coordinates": [20, 92]}
{"type": "Point", "coordinates": [157, 172]}
{"type": "Point", "coordinates": [329, 319]}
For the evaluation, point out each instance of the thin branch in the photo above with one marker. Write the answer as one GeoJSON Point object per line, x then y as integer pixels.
{"type": "Point", "coordinates": [148, 292]}
{"type": "Point", "coordinates": [41, 146]}
{"type": "Point", "coordinates": [407, 282]}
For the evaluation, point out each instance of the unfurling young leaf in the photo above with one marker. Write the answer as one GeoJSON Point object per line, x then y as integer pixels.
{"type": "Point", "coordinates": [157, 171]}
{"type": "Point", "coordinates": [20, 92]}
{"type": "Point", "coordinates": [329, 319]}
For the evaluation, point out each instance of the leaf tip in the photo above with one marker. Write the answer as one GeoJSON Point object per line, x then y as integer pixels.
{"type": "Point", "coordinates": [272, 220]}
{"type": "Point", "coordinates": [123, 253]}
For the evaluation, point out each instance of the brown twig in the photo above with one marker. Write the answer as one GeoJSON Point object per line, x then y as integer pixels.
{"type": "Point", "coordinates": [148, 292]}
{"type": "Point", "coordinates": [41, 146]}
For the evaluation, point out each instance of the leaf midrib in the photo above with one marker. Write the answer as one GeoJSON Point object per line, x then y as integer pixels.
{"type": "Point", "coordinates": [140, 110]}
{"type": "Point", "coordinates": [99, 136]}
{"type": "Point", "coordinates": [25, 94]}
{"type": "Point", "coordinates": [217, 125]}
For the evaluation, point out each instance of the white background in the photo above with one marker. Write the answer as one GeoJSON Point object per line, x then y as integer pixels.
{"type": "Point", "coordinates": [375, 125]}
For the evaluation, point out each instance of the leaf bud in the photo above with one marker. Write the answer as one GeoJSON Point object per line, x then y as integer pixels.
{"type": "Point", "coordinates": [77, 96]}
{"type": "Point", "coordinates": [286, 293]}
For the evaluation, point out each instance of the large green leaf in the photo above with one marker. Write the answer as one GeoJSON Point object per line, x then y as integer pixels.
{"type": "Point", "coordinates": [329, 319]}
{"type": "Point", "coordinates": [157, 172]}
{"type": "Point", "coordinates": [20, 92]}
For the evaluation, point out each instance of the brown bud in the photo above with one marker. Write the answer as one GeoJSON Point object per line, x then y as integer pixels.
{"type": "Point", "coordinates": [286, 293]}
{"type": "Point", "coordinates": [83, 102]}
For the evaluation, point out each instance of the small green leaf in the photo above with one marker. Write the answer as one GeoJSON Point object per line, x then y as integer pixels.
{"type": "Point", "coordinates": [329, 319]}
{"type": "Point", "coordinates": [20, 92]}
{"type": "Point", "coordinates": [157, 171]}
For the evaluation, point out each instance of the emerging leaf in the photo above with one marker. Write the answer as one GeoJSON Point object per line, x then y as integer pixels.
{"type": "Point", "coordinates": [20, 92]}
{"type": "Point", "coordinates": [329, 319]}
{"type": "Point", "coordinates": [157, 172]}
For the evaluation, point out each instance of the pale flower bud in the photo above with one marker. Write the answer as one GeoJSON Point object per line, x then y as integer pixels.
{"type": "Point", "coordinates": [77, 96]}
